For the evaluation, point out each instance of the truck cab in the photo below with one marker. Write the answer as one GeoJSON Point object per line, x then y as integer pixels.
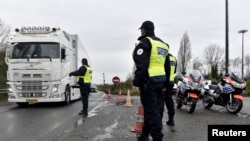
{"type": "Point", "coordinates": [39, 60]}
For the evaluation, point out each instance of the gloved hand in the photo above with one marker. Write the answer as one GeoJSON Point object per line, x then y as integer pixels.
{"type": "Point", "coordinates": [70, 74]}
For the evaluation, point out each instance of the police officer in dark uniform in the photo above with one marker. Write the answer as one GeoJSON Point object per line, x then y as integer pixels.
{"type": "Point", "coordinates": [170, 68]}
{"type": "Point", "coordinates": [149, 57]}
{"type": "Point", "coordinates": [84, 79]}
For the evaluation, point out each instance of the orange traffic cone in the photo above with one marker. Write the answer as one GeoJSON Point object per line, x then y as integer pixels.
{"type": "Point", "coordinates": [128, 100]}
{"type": "Point", "coordinates": [139, 123]}
{"type": "Point", "coordinates": [109, 94]}
{"type": "Point", "coordinates": [119, 98]}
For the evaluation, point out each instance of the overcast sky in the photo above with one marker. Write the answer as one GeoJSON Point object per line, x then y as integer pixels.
{"type": "Point", "coordinates": [109, 28]}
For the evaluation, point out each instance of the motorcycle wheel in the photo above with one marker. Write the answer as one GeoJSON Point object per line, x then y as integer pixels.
{"type": "Point", "coordinates": [191, 105]}
{"type": "Point", "coordinates": [206, 104]}
{"type": "Point", "coordinates": [179, 101]}
{"type": "Point", "coordinates": [235, 106]}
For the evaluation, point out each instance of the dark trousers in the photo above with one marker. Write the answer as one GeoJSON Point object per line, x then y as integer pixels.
{"type": "Point", "coordinates": [152, 100]}
{"type": "Point", "coordinates": [85, 90]}
{"type": "Point", "coordinates": [169, 101]}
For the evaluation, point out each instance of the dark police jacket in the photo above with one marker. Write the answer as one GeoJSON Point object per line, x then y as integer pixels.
{"type": "Point", "coordinates": [141, 56]}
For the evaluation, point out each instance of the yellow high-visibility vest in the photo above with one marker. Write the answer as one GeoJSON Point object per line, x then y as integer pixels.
{"type": "Point", "coordinates": [159, 51]}
{"type": "Point", "coordinates": [87, 77]}
{"type": "Point", "coordinates": [173, 61]}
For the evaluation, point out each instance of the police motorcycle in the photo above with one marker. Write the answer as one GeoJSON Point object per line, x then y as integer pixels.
{"type": "Point", "coordinates": [227, 93]}
{"type": "Point", "coordinates": [189, 90]}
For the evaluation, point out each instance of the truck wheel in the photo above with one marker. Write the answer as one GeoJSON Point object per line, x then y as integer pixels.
{"type": "Point", "coordinates": [22, 104]}
{"type": "Point", "coordinates": [67, 96]}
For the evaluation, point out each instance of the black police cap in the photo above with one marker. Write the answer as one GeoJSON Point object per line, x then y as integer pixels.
{"type": "Point", "coordinates": [147, 25]}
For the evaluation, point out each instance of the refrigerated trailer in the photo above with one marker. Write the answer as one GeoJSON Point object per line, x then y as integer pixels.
{"type": "Point", "coordinates": [39, 61]}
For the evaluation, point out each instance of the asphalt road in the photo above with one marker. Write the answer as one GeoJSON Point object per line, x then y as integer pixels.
{"type": "Point", "coordinates": [40, 122]}
{"type": "Point", "coordinates": [107, 121]}
{"type": "Point", "coordinates": [112, 122]}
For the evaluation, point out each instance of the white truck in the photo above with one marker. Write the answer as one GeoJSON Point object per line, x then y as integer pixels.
{"type": "Point", "coordinates": [39, 61]}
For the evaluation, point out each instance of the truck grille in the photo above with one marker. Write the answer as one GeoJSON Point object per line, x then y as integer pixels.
{"type": "Point", "coordinates": [31, 89]}
{"type": "Point", "coordinates": [32, 76]}
{"type": "Point", "coordinates": [31, 85]}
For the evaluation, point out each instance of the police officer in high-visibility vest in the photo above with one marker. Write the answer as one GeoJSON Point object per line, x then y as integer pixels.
{"type": "Point", "coordinates": [84, 79]}
{"type": "Point", "coordinates": [170, 68]}
{"type": "Point", "coordinates": [149, 57]}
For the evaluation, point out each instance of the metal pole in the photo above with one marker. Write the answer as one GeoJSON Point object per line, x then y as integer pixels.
{"type": "Point", "coordinates": [227, 46]}
{"type": "Point", "coordinates": [103, 79]}
{"type": "Point", "coordinates": [242, 65]}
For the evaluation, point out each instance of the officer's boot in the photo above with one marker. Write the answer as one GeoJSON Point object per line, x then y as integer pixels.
{"type": "Point", "coordinates": [170, 122]}
{"type": "Point", "coordinates": [157, 139]}
{"type": "Point", "coordinates": [85, 114]}
{"type": "Point", "coordinates": [143, 138]}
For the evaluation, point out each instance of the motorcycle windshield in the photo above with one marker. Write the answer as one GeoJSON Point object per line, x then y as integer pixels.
{"type": "Point", "coordinates": [196, 76]}
{"type": "Point", "coordinates": [237, 77]}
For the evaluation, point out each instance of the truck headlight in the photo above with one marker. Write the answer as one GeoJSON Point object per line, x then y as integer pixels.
{"type": "Point", "coordinates": [55, 88]}
{"type": "Point", "coordinates": [10, 89]}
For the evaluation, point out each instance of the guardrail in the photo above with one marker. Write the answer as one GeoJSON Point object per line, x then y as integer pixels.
{"type": "Point", "coordinates": [3, 91]}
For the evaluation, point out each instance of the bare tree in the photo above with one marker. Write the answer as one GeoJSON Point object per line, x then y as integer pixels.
{"type": "Point", "coordinates": [4, 32]}
{"type": "Point", "coordinates": [197, 63]}
{"type": "Point", "coordinates": [236, 64]}
{"type": "Point", "coordinates": [184, 53]}
{"type": "Point", "coordinates": [222, 66]}
{"type": "Point", "coordinates": [213, 55]}
{"type": "Point", "coordinates": [247, 63]}
{"type": "Point", "coordinates": [4, 35]}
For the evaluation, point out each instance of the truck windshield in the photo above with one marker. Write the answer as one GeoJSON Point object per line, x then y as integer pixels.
{"type": "Point", "coordinates": [35, 50]}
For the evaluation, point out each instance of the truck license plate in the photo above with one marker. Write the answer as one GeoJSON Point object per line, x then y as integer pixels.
{"type": "Point", "coordinates": [32, 100]}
